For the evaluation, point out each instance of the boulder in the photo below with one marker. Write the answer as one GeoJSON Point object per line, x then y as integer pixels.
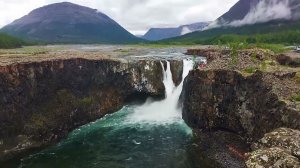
{"type": "Point", "coordinates": [291, 59]}
{"type": "Point", "coordinates": [271, 157]}
{"type": "Point", "coordinates": [177, 70]}
{"type": "Point", "coordinates": [285, 138]}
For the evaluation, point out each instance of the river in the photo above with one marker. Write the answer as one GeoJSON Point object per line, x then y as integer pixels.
{"type": "Point", "coordinates": [138, 136]}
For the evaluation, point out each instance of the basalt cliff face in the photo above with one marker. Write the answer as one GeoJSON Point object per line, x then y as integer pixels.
{"type": "Point", "coordinates": [224, 99]}
{"type": "Point", "coordinates": [256, 107]}
{"type": "Point", "coordinates": [42, 102]}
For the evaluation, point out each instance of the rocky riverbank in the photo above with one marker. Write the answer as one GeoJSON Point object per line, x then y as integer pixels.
{"type": "Point", "coordinates": [41, 102]}
{"type": "Point", "coordinates": [256, 105]}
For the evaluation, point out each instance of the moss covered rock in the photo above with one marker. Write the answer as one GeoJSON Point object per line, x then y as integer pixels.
{"type": "Point", "coordinates": [272, 157]}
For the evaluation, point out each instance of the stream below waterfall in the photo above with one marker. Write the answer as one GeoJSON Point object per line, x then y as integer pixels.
{"type": "Point", "coordinates": [152, 135]}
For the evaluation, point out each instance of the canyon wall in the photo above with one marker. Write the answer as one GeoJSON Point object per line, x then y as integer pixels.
{"type": "Point", "coordinates": [258, 108]}
{"type": "Point", "coordinates": [41, 102]}
{"type": "Point", "coordinates": [226, 100]}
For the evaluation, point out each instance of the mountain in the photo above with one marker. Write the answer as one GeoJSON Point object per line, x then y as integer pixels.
{"type": "Point", "coordinates": [213, 34]}
{"type": "Point", "coordinates": [155, 34]}
{"type": "Point", "coordinates": [69, 23]}
{"type": "Point", "coordinates": [238, 11]}
{"type": "Point", "coordinates": [250, 18]}
{"type": "Point", "coordinates": [259, 11]}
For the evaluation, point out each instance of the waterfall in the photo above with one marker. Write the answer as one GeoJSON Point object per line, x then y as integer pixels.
{"type": "Point", "coordinates": [148, 135]}
{"type": "Point", "coordinates": [165, 111]}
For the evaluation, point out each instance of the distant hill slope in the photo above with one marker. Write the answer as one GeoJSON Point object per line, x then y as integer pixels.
{"type": "Point", "coordinates": [238, 11]}
{"type": "Point", "coordinates": [69, 23]}
{"type": "Point", "coordinates": [163, 33]}
{"type": "Point", "coordinates": [7, 41]}
{"type": "Point", "coordinates": [260, 11]}
{"type": "Point", "coordinates": [207, 36]}
{"type": "Point", "coordinates": [249, 17]}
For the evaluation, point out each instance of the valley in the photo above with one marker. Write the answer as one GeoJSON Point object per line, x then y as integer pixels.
{"type": "Point", "coordinates": [49, 83]}
{"type": "Point", "coordinates": [152, 84]}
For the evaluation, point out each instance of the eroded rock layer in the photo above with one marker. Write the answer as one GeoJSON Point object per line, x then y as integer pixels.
{"type": "Point", "coordinates": [253, 107]}
{"type": "Point", "coordinates": [40, 103]}
{"type": "Point", "coordinates": [225, 99]}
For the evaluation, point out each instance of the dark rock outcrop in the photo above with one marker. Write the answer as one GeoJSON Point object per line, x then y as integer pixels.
{"type": "Point", "coordinates": [177, 70]}
{"type": "Point", "coordinates": [285, 138]}
{"type": "Point", "coordinates": [209, 54]}
{"type": "Point", "coordinates": [291, 59]}
{"type": "Point", "coordinates": [252, 107]}
{"type": "Point", "coordinates": [219, 149]}
{"type": "Point", "coordinates": [42, 102]}
{"type": "Point", "coordinates": [224, 99]}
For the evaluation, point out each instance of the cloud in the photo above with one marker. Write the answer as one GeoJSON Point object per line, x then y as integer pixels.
{"type": "Point", "coordinates": [137, 16]}
{"type": "Point", "coordinates": [266, 10]}
{"type": "Point", "coordinates": [185, 30]}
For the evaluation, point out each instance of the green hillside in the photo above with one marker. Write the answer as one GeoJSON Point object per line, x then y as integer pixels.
{"type": "Point", "coordinates": [277, 32]}
{"type": "Point", "coordinates": [7, 41]}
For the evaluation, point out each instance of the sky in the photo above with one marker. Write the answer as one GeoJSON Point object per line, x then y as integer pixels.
{"type": "Point", "coordinates": [137, 16]}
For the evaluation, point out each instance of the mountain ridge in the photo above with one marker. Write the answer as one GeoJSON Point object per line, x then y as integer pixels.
{"type": "Point", "coordinates": [155, 34]}
{"type": "Point", "coordinates": [259, 11]}
{"type": "Point", "coordinates": [224, 24]}
{"type": "Point", "coordinates": [69, 23]}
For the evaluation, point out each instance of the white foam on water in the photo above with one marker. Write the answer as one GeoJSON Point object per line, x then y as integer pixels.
{"type": "Point", "coordinates": [165, 111]}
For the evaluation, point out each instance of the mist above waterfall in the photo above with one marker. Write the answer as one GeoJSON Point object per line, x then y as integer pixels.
{"type": "Point", "coordinates": [166, 111]}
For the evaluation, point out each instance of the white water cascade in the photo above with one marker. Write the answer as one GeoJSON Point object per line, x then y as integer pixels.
{"type": "Point", "coordinates": [149, 135]}
{"type": "Point", "coordinates": [165, 111]}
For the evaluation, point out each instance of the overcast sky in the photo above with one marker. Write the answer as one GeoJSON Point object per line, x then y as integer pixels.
{"type": "Point", "coordinates": [137, 16]}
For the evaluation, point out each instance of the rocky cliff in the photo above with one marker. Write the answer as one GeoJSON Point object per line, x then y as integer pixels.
{"type": "Point", "coordinates": [41, 102]}
{"type": "Point", "coordinates": [224, 99]}
{"type": "Point", "coordinates": [249, 106]}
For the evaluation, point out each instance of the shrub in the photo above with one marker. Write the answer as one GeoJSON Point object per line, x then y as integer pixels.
{"type": "Point", "coordinates": [296, 97]}
{"type": "Point", "coordinates": [250, 70]}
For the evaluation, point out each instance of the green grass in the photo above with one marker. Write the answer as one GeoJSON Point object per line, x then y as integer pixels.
{"type": "Point", "coordinates": [283, 37]}
{"type": "Point", "coordinates": [239, 45]}
{"type": "Point", "coordinates": [297, 78]}
{"type": "Point", "coordinates": [27, 50]}
{"type": "Point", "coordinates": [234, 47]}
{"type": "Point", "coordinates": [276, 48]}
{"type": "Point", "coordinates": [263, 66]}
{"type": "Point", "coordinates": [296, 97]}
{"type": "Point", "coordinates": [250, 70]}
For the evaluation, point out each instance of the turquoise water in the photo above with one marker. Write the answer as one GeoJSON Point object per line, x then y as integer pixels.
{"type": "Point", "coordinates": [152, 135]}
{"type": "Point", "coordinates": [116, 141]}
